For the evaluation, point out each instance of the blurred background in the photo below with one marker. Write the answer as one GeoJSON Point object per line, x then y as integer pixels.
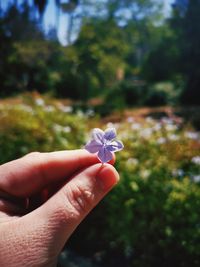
{"type": "Point", "coordinates": [69, 66]}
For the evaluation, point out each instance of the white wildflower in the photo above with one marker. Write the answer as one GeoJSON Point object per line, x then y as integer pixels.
{"type": "Point", "coordinates": [90, 113]}
{"type": "Point", "coordinates": [132, 161]}
{"type": "Point", "coordinates": [145, 173]}
{"type": "Point", "coordinates": [39, 102]}
{"type": "Point", "coordinates": [192, 135]}
{"type": "Point", "coordinates": [146, 133]}
{"type": "Point", "coordinates": [195, 178]}
{"type": "Point", "coordinates": [113, 125]}
{"type": "Point", "coordinates": [26, 108]}
{"type": "Point", "coordinates": [49, 108]}
{"type": "Point", "coordinates": [173, 137]}
{"type": "Point", "coordinates": [161, 140]}
{"type": "Point", "coordinates": [157, 126]}
{"type": "Point", "coordinates": [196, 160]}
{"type": "Point", "coordinates": [149, 119]}
{"type": "Point", "coordinates": [136, 126]}
{"type": "Point", "coordinates": [66, 109]}
{"type": "Point", "coordinates": [66, 129]}
{"type": "Point", "coordinates": [167, 120]}
{"type": "Point", "coordinates": [171, 127]}
{"type": "Point", "coordinates": [178, 172]}
{"type": "Point", "coordinates": [130, 119]}
{"type": "Point", "coordinates": [80, 113]}
{"type": "Point", "coordinates": [57, 127]}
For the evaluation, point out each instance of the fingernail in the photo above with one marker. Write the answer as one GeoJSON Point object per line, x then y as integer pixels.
{"type": "Point", "coordinates": [108, 177]}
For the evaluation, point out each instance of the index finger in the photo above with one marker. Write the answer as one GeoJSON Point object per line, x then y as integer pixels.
{"type": "Point", "coordinates": [33, 172]}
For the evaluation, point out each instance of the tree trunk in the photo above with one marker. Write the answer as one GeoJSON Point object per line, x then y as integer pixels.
{"type": "Point", "coordinates": [70, 28]}
{"type": "Point", "coordinates": [57, 15]}
{"type": "Point", "coordinates": [57, 20]}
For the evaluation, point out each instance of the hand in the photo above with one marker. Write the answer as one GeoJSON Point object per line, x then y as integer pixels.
{"type": "Point", "coordinates": [43, 198]}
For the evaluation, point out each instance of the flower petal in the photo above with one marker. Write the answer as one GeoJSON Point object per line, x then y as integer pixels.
{"type": "Point", "coordinates": [110, 134]}
{"type": "Point", "coordinates": [93, 146]}
{"type": "Point", "coordinates": [115, 146]}
{"type": "Point", "coordinates": [104, 155]}
{"type": "Point", "coordinates": [98, 135]}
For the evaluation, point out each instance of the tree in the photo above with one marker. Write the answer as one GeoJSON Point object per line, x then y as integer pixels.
{"type": "Point", "coordinates": [191, 52]}
{"type": "Point", "coordinates": [23, 52]}
{"type": "Point", "coordinates": [57, 9]}
{"type": "Point", "coordinates": [19, 23]}
{"type": "Point", "coordinates": [40, 5]}
{"type": "Point", "coordinates": [163, 61]}
{"type": "Point", "coordinates": [94, 59]}
{"type": "Point", "coordinates": [185, 25]}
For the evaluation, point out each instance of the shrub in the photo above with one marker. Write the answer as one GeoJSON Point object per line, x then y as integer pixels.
{"type": "Point", "coordinates": [163, 93]}
{"type": "Point", "coordinates": [156, 98]}
{"type": "Point", "coordinates": [126, 93]}
{"type": "Point", "coordinates": [151, 218]}
{"type": "Point", "coordinates": [36, 125]}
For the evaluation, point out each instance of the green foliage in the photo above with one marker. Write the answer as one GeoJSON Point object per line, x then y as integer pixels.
{"type": "Point", "coordinates": [133, 93]}
{"type": "Point", "coordinates": [163, 61]}
{"type": "Point", "coordinates": [114, 41]}
{"type": "Point", "coordinates": [184, 25]}
{"type": "Point", "coordinates": [125, 94]}
{"type": "Point", "coordinates": [24, 53]}
{"type": "Point", "coordinates": [94, 59]}
{"type": "Point", "coordinates": [152, 217]}
{"type": "Point", "coordinates": [89, 66]}
{"type": "Point", "coordinates": [38, 124]}
{"type": "Point", "coordinates": [28, 66]}
{"type": "Point", "coordinates": [163, 93]}
{"type": "Point", "coordinates": [191, 53]}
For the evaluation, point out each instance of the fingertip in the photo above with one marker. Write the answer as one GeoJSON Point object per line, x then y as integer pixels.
{"type": "Point", "coordinates": [108, 176]}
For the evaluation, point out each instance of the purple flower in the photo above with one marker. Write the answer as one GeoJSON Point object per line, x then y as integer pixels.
{"type": "Point", "coordinates": [104, 143]}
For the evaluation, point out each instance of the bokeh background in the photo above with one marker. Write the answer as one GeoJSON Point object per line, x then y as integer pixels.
{"type": "Point", "coordinates": [69, 66]}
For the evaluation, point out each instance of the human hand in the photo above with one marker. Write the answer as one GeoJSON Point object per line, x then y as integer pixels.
{"type": "Point", "coordinates": [43, 198]}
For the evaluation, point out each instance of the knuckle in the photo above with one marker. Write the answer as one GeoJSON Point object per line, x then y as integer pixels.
{"type": "Point", "coordinates": [80, 199]}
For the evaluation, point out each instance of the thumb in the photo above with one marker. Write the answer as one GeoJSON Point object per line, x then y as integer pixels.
{"type": "Point", "coordinates": [63, 212]}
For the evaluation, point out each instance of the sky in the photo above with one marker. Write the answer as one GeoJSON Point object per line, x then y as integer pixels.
{"type": "Point", "coordinates": [50, 17]}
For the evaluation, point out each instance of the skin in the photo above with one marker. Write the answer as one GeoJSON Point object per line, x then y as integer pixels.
{"type": "Point", "coordinates": [43, 198]}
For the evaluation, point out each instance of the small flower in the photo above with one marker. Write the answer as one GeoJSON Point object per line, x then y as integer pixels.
{"type": "Point", "coordinates": [66, 109]}
{"type": "Point", "coordinates": [192, 135]}
{"type": "Point", "coordinates": [136, 126]}
{"type": "Point", "coordinates": [49, 108]}
{"type": "Point", "coordinates": [67, 129]}
{"type": "Point", "coordinates": [146, 133]}
{"type": "Point", "coordinates": [171, 127]}
{"type": "Point", "coordinates": [161, 140]}
{"type": "Point", "coordinates": [145, 173]}
{"type": "Point", "coordinates": [196, 178]}
{"type": "Point", "coordinates": [90, 113]}
{"type": "Point", "coordinates": [130, 119]}
{"type": "Point", "coordinates": [104, 143]}
{"type": "Point", "coordinates": [132, 161]}
{"type": "Point", "coordinates": [39, 102]}
{"type": "Point", "coordinates": [173, 137]}
{"type": "Point", "coordinates": [157, 126]}
{"type": "Point", "coordinates": [178, 172]}
{"type": "Point", "coordinates": [196, 160]}
{"type": "Point", "coordinates": [149, 119]}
